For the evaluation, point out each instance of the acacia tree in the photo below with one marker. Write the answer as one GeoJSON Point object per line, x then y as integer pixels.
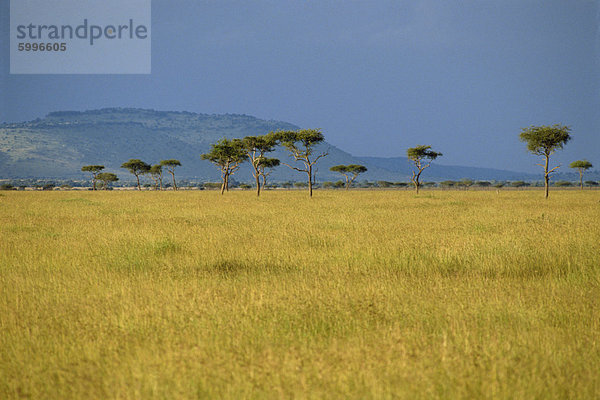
{"type": "Point", "coordinates": [94, 169]}
{"type": "Point", "coordinates": [347, 170]}
{"type": "Point", "coordinates": [255, 148]}
{"type": "Point", "coordinates": [544, 140]}
{"type": "Point", "coordinates": [421, 156]}
{"type": "Point", "coordinates": [227, 155]}
{"type": "Point", "coordinates": [170, 165]}
{"type": "Point", "coordinates": [137, 168]}
{"type": "Point", "coordinates": [156, 175]}
{"type": "Point", "coordinates": [106, 178]}
{"type": "Point", "coordinates": [264, 164]}
{"type": "Point", "coordinates": [301, 144]}
{"type": "Point", "coordinates": [581, 166]}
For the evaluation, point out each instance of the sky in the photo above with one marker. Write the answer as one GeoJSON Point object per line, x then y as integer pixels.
{"type": "Point", "coordinates": [376, 76]}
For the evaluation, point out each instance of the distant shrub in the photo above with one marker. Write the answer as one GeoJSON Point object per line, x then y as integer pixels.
{"type": "Point", "coordinates": [563, 184]}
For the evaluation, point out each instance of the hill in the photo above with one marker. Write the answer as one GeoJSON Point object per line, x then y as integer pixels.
{"type": "Point", "coordinates": [57, 145]}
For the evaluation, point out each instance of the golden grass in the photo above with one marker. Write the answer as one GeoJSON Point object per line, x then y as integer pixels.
{"type": "Point", "coordinates": [360, 294]}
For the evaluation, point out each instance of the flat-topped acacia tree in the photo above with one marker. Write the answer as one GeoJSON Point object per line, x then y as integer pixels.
{"type": "Point", "coordinates": [106, 178]}
{"type": "Point", "coordinates": [581, 166]}
{"type": "Point", "coordinates": [94, 169]}
{"type": "Point", "coordinates": [170, 165]}
{"type": "Point", "coordinates": [544, 140]}
{"type": "Point", "coordinates": [347, 170]}
{"type": "Point", "coordinates": [136, 167]}
{"type": "Point", "coordinates": [421, 156]}
{"type": "Point", "coordinates": [227, 155]}
{"type": "Point", "coordinates": [256, 147]}
{"type": "Point", "coordinates": [301, 145]}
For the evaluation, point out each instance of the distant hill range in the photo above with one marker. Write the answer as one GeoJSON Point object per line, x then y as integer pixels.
{"type": "Point", "coordinates": [58, 145]}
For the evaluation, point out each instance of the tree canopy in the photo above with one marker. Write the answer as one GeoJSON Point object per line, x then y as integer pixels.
{"type": "Point", "coordinates": [544, 140]}
{"type": "Point", "coordinates": [106, 178]}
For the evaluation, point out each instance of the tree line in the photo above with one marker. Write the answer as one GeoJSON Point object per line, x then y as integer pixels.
{"type": "Point", "coordinates": [229, 154]}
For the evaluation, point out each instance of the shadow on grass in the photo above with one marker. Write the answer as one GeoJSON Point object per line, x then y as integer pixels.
{"type": "Point", "coordinates": [232, 267]}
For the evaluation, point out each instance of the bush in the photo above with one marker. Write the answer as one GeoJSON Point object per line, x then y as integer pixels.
{"type": "Point", "coordinates": [563, 184]}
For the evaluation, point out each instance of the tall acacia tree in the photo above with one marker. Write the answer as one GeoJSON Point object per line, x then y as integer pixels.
{"type": "Point", "coordinates": [170, 165]}
{"type": "Point", "coordinates": [255, 148]}
{"type": "Point", "coordinates": [347, 170]}
{"type": "Point", "coordinates": [106, 178]}
{"type": "Point", "coordinates": [227, 155]}
{"type": "Point", "coordinates": [544, 140]}
{"type": "Point", "coordinates": [581, 166]}
{"type": "Point", "coordinates": [136, 167]}
{"type": "Point", "coordinates": [94, 169]}
{"type": "Point", "coordinates": [421, 156]}
{"type": "Point", "coordinates": [301, 144]}
{"type": "Point", "coordinates": [156, 175]}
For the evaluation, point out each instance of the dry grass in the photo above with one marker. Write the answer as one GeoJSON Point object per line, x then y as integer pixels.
{"type": "Point", "coordinates": [371, 294]}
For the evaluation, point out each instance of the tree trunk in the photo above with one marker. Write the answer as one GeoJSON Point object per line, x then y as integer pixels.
{"type": "Point", "coordinates": [223, 184]}
{"type": "Point", "coordinates": [310, 186]}
{"type": "Point", "coordinates": [347, 182]}
{"type": "Point", "coordinates": [581, 178]}
{"type": "Point", "coordinates": [546, 177]}
{"type": "Point", "coordinates": [94, 182]}
{"type": "Point", "coordinates": [415, 180]}
{"type": "Point", "coordinates": [138, 182]}
{"type": "Point", "coordinates": [264, 183]}
{"type": "Point", "coordinates": [257, 176]}
{"type": "Point", "coordinates": [174, 183]}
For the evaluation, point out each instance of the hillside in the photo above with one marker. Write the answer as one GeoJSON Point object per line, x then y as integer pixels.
{"type": "Point", "coordinates": [57, 145]}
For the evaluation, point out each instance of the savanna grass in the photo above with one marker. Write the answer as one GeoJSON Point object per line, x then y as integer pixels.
{"type": "Point", "coordinates": [360, 294]}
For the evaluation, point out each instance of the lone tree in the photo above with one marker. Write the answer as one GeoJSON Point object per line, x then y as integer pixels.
{"type": "Point", "coordinates": [347, 170]}
{"type": "Point", "coordinates": [94, 169]}
{"type": "Point", "coordinates": [421, 156]}
{"type": "Point", "coordinates": [106, 178]}
{"type": "Point", "coordinates": [581, 166]}
{"type": "Point", "coordinates": [255, 148]}
{"type": "Point", "coordinates": [156, 175]}
{"type": "Point", "coordinates": [301, 144]}
{"type": "Point", "coordinates": [543, 141]}
{"type": "Point", "coordinates": [227, 155]}
{"type": "Point", "coordinates": [137, 168]}
{"type": "Point", "coordinates": [170, 165]}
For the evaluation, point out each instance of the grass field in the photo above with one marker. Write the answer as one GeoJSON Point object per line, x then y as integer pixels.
{"type": "Point", "coordinates": [360, 294]}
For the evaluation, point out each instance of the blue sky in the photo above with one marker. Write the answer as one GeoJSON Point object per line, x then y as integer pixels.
{"type": "Point", "coordinates": [376, 77]}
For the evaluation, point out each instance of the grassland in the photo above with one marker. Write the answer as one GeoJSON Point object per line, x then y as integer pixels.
{"type": "Point", "coordinates": [366, 294]}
